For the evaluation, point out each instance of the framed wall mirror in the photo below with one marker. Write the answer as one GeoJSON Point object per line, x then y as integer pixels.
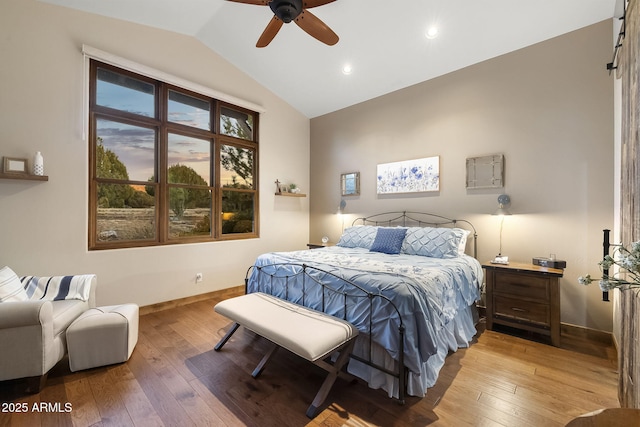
{"type": "Point", "coordinates": [350, 184]}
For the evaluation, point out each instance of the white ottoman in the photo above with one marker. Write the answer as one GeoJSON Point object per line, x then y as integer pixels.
{"type": "Point", "coordinates": [102, 336]}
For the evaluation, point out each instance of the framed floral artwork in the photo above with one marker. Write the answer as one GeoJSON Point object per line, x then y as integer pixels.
{"type": "Point", "coordinates": [409, 176]}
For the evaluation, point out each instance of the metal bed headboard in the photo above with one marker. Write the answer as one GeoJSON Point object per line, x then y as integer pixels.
{"type": "Point", "coordinates": [417, 219]}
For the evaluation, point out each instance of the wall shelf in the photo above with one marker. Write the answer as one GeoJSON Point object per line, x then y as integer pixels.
{"type": "Point", "coordinates": [291, 194]}
{"type": "Point", "coordinates": [24, 177]}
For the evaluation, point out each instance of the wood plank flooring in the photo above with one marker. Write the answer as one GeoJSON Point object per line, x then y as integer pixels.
{"type": "Point", "coordinates": [175, 378]}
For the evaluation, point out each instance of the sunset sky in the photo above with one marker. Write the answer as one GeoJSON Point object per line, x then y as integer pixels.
{"type": "Point", "coordinates": [135, 145]}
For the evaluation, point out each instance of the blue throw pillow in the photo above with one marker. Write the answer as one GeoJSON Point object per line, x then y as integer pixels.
{"type": "Point", "coordinates": [388, 240]}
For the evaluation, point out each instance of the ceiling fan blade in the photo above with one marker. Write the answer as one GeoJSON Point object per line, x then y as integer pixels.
{"type": "Point", "coordinates": [258, 2]}
{"type": "Point", "coordinates": [270, 32]}
{"type": "Point", "coordinates": [308, 4]}
{"type": "Point", "coordinates": [316, 28]}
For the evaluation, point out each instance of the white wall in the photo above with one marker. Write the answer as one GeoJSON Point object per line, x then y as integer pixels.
{"type": "Point", "coordinates": [43, 226]}
{"type": "Point", "coordinates": [548, 108]}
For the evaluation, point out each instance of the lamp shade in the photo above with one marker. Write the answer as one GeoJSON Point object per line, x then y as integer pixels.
{"type": "Point", "coordinates": [503, 202]}
{"type": "Point", "coordinates": [341, 207]}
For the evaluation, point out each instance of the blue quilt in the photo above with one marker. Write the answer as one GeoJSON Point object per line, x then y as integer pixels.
{"type": "Point", "coordinates": [429, 293]}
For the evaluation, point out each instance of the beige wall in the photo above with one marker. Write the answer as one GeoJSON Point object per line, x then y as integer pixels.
{"type": "Point", "coordinates": [43, 226]}
{"type": "Point", "coordinates": [548, 108]}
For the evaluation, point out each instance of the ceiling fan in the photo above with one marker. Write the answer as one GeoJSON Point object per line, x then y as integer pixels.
{"type": "Point", "coordinates": [286, 11]}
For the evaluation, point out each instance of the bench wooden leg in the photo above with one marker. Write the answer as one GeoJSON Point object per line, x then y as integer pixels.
{"type": "Point", "coordinates": [334, 371]}
{"type": "Point", "coordinates": [256, 372]}
{"type": "Point", "coordinates": [224, 339]}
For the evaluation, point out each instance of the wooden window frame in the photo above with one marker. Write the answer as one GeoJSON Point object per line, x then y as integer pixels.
{"type": "Point", "coordinates": [163, 127]}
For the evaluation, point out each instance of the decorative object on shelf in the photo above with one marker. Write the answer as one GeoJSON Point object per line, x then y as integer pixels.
{"type": "Point", "coordinates": [350, 184]}
{"type": "Point", "coordinates": [38, 164]}
{"type": "Point", "coordinates": [325, 240]}
{"type": "Point", "coordinates": [290, 190]}
{"type": "Point", "coordinates": [410, 176]}
{"type": "Point", "coordinates": [503, 203]}
{"type": "Point", "coordinates": [14, 165]}
{"type": "Point", "coordinates": [485, 171]}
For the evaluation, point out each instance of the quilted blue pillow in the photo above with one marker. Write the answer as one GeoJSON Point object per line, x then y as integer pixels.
{"type": "Point", "coordinates": [359, 236]}
{"type": "Point", "coordinates": [432, 242]}
{"type": "Point", "coordinates": [388, 240]}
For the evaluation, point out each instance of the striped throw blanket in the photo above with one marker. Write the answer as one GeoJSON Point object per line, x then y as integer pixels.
{"type": "Point", "coordinates": [58, 287]}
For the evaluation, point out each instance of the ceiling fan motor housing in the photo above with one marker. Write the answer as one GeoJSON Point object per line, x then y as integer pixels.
{"type": "Point", "coordinates": [286, 10]}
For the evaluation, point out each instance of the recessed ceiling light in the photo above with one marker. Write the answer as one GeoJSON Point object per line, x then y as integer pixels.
{"type": "Point", "coordinates": [346, 70]}
{"type": "Point", "coordinates": [432, 33]}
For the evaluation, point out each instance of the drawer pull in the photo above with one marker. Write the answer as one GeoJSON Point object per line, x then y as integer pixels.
{"type": "Point", "coordinates": [521, 310]}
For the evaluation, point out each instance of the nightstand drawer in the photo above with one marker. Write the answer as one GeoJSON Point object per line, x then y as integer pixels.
{"type": "Point", "coordinates": [519, 309]}
{"type": "Point", "coordinates": [522, 285]}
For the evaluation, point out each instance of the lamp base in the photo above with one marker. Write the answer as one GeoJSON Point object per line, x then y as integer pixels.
{"type": "Point", "coordinates": [500, 259]}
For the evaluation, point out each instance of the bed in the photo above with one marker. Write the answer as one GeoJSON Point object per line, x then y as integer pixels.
{"type": "Point", "coordinates": [402, 278]}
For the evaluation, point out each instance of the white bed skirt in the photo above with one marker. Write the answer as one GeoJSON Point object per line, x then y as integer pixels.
{"type": "Point", "coordinates": [458, 333]}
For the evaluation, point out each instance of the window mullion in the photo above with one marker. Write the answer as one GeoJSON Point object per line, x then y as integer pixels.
{"type": "Point", "coordinates": [162, 152]}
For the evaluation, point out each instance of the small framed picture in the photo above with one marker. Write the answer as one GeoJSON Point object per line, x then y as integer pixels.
{"type": "Point", "coordinates": [15, 165]}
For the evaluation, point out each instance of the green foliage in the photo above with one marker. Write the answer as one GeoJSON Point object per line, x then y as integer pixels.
{"type": "Point", "coordinates": [176, 201]}
{"type": "Point", "coordinates": [240, 161]}
{"type": "Point", "coordinates": [241, 205]}
{"type": "Point", "coordinates": [140, 199]}
{"type": "Point", "coordinates": [181, 174]}
{"type": "Point", "coordinates": [182, 198]}
{"type": "Point", "coordinates": [235, 128]}
{"type": "Point", "coordinates": [203, 226]}
{"type": "Point", "coordinates": [108, 165]}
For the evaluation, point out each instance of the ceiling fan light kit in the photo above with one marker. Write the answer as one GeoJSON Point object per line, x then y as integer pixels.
{"type": "Point", "coordinates": [285, 11]}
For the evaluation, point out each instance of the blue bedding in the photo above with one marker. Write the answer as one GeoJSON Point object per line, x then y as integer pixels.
{"type": "Point", "coordinates": [429, 293]}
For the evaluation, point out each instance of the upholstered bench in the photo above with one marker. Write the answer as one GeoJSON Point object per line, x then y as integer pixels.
{"type": "Point", "coordinates": [102, 336]}
{"type": "Point", "coordinates": [308, 333]}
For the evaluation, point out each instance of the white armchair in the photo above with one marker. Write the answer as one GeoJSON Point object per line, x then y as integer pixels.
{"type": "Point", "coordinates": [32, 332]}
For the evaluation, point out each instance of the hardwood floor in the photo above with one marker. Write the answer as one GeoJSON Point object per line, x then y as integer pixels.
{"type": "Point", "coordinates": [175, 378]}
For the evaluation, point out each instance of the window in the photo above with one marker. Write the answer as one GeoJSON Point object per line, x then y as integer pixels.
{"type": "Point", "coordinates": [167, 165]}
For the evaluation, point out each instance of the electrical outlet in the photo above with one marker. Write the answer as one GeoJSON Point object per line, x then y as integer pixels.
{"type": "Point", "coordinates": [198, 277]}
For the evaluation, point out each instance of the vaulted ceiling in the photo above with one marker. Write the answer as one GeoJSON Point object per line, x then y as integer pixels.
{"type": "Point", "coordinates": [382, 41]}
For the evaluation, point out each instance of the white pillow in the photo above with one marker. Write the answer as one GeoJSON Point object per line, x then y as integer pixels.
{"type": "Point", "coordinates": [10, 287]}
{"type": "Point", "coordinates": [462, 246]}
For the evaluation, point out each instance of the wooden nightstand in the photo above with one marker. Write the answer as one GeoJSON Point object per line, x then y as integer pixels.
{"type": "Point", "coordinates": [524, 296]}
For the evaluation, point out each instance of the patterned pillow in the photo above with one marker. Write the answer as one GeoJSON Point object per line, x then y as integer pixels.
{"type": "Point", "coordinates": [432, 242]}
{"type": "Point", "coordinates": [359, 236]}
{"type": "Point", "coordinates": [388, 240]}
{"type": "Point", "coordinates": [10, 286]}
